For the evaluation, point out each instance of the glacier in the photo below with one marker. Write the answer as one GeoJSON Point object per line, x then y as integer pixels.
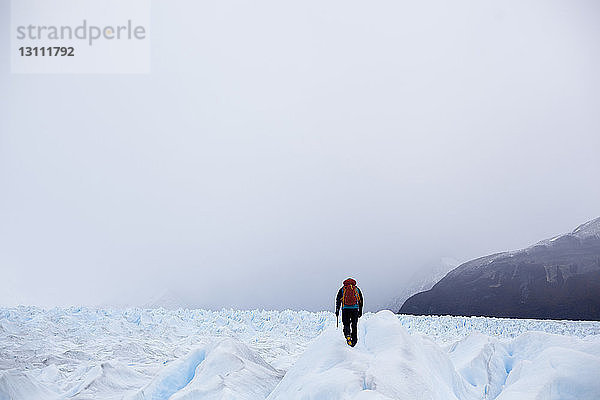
{"type": "Point", "coordinates": [142, 354]}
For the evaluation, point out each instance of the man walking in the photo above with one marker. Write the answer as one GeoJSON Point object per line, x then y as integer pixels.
{"type": "Point", "coordinates": [350, 299]}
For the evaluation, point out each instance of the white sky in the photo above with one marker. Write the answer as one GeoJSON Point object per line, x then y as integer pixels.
{"type": "Point", "coordinates": [278, 147]}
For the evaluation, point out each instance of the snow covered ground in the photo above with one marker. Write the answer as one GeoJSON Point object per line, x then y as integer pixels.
{"type": "Point", "coordinates": [134, 354]}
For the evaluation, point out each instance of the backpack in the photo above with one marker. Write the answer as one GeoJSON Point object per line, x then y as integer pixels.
{"type": "Point", "coordinates": [350, 295]}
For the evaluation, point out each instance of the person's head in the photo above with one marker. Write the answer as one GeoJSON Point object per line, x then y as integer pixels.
{"type": "Point", "coordinates": [350, 281]}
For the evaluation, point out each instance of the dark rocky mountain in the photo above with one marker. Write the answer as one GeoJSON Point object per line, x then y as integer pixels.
{"type": "Point", "coordinates": [558, 278]}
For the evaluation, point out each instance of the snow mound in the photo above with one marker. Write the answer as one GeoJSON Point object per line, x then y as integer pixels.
{"type": "Point", "coordinates": [535, 365]}
{"type": "Point", "coordinates": [225, 370]}
{"type": "Point", "coordinates": [390, 363]}
{"type": "Point", "coordinates": [483, 362]}
{"type": "Point", "coordinates": [105, 381]}
{"type": "Point", "coordinates": [83, 353]}
{"type": "Point", "coordinates": [553, 367]}
{"type": "Point", "coordinates": [387, 363]}
{"type": "Point", "coordinates": [18, 385]}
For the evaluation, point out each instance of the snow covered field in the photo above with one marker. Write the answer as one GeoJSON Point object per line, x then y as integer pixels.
{"type": "Point", "coordinates": [134, 354]}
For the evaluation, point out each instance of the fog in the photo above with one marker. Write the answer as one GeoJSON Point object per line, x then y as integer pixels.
{"type": "Point", "coordinates": [277, 148]}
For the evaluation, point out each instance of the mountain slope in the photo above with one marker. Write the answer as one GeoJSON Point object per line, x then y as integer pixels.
{"type": "Point", "coordinates": [557, 278]}
{"type": "Point", "coordinates": [167, 299]}
{"type": "Point", "coordinates": [423, 279]}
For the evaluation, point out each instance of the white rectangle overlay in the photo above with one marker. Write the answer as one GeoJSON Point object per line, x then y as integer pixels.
{"type": "Point", "coordinates": [80, 36]}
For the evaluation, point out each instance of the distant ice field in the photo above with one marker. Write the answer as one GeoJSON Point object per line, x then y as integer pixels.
{"type": "Point", "coordinates": [82, 352]}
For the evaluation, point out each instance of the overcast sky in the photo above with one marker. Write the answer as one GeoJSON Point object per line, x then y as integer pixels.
{"type": "Point", "coordinates": [279, 147]}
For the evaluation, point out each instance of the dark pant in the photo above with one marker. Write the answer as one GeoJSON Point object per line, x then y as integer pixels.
{"type": "Point", "coordinates": [350, 319]}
